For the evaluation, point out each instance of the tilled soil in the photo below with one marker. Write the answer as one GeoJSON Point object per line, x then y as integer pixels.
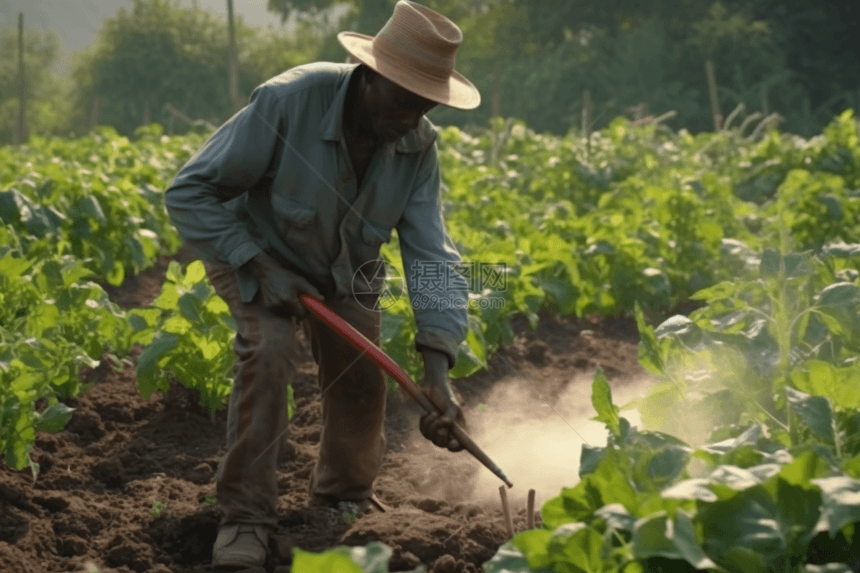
{"type": "Point", "coordinates": [92, 501]}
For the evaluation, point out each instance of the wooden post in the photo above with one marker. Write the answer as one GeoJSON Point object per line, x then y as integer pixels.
{"type": "Point", "coordinates": [497, 90]}
{"type": "Point", "coordinates": [586, 120]}
{"type": "Point", "coordinates": [715, 102]}
{"type": "Point", "coordinates": [94, 113]}
{"type": "Point", "coordinates": [530, 509]}
{"type": "Point", "coordinates": [233, 63]}
{"type": "Point", "coordinates": [21, 131]}
{"type": "Point", "coordinates": [506, 509]}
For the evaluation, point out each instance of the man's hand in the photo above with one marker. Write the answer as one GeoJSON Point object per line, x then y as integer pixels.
{"type": "Point", "coordinates": [436, 427]}
{"type": "Point", "coordinates": [279, 287]}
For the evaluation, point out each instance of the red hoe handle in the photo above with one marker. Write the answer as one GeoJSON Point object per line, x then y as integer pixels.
{"type": "Point", "coordinates": [361, 342]}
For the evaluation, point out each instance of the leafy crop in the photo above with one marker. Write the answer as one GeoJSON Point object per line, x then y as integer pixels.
{"type": "Point", "coordinates": [637, 214]}
{"type": "Point", "coordinates": [634, 222]}
{"type": "Point", "coordinates": [97, 198]}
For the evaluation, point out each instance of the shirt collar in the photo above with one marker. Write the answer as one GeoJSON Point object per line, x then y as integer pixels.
{"type": "Point", "coordinates": [331, 127]}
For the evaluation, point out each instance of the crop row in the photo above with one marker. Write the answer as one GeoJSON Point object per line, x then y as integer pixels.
{"type": "Point", "coordinates": [762, 232]}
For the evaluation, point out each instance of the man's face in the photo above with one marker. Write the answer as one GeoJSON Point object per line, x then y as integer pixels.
{"type": "Point", "coordinates": [393, 110]}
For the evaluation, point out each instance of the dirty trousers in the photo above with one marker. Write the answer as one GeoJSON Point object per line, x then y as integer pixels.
{"type": "Point", "coordinates": [352, 443]}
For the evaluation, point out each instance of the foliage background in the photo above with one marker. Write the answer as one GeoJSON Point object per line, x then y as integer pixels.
{"type": "Point", "coordinates": [793, 57]}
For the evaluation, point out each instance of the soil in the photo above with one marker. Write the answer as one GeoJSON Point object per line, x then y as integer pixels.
{"type": "Point", "coordinates": [128, 452]}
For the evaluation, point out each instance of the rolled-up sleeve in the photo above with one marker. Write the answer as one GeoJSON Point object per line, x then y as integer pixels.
{"type": "Point", "coordinates": [439, 294]}
{"type": "Point", "coordinates": [232, 161]}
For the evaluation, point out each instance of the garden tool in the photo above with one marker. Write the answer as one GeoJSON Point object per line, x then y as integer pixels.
{"type": "Point", "coordinates": [362, 343]}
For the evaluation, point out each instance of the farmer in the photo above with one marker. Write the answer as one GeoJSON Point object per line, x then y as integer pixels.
{"type": "Point", "coordinates": [294, 195]}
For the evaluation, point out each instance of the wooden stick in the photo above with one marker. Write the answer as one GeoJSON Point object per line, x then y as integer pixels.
{"type": "Point", "coordinates": [531, 509]}
{"type": "Point", "coordinates": [509, 524]}
{"type": "Point", "coordinates": [21, 128]}
{"type": "Point", "coordinates": [715, 101]}
{"type": "Point", "coordinates": [586, 120]}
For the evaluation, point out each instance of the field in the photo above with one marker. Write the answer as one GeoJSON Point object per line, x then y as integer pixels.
{"type": "Point", "coordinates": [701, 291]}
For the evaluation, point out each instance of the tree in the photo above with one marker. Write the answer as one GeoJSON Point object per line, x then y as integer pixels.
{"type": "Point", "coordinates": [157, 54]}
{"type": "Point", "coordinates": [47, 95]}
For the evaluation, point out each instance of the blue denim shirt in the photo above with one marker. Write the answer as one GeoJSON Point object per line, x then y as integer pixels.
{"type": "Point", "coordinates": [276, 177]}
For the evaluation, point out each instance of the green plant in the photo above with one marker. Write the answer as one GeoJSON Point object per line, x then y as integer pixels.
{"type": "Point", "coordinates": [649, 502]}
{"type": "Point", "coordinates": [190, 332]}
{"type": "Point", "coordinates": [350, 516]}
{"type": "Point", "coordinates": [157, 509]}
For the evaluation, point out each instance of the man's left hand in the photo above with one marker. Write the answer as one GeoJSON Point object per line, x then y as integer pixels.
{"type": "Point", "coordinates": [434, 426]}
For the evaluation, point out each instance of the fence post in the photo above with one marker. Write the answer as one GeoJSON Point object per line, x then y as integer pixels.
{"type": "Point", "coordinates": [715, 102]}
{"type": "Point", "coordinates": [21, 131]}
{"type": "Point", "coordinates": [586, 120]}
{"type": "Point", "coordinates": [233, 63]}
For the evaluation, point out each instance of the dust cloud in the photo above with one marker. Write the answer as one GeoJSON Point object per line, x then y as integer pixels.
{"type": "Point", "coordinates": [534, 438]}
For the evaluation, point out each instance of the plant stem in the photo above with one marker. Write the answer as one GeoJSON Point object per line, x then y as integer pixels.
{"type": "Point", "coordinates": [781, 321]}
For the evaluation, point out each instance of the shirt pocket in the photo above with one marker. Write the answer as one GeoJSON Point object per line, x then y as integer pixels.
{"type": "Point", "coordinates": [296, 221]}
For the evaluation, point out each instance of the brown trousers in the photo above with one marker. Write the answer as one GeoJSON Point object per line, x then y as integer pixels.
{"type": "Point", "coordinates": [352, 443]}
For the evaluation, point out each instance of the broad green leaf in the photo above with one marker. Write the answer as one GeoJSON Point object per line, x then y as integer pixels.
{"type": "Point", "coordinates": [90, 207]}
{"type": "Point", "coordinates": [840, 502]}
{"type": "Point", "coordinates": [743, 560]}
{"type": "Point", "coordinates": [616, 517]}
{"type": "Point", "coordinates": [14, 267]}
{"type": "Point", "coordinates": [650, 356]}
{"type": "Point", "coordinates": [54, 418]}
{"type": "Point", "coordinates": [589, 458]}
{"type": "Point", "coordinates": [844, 296]}
{"type": "Point", "coordinates": [576, 546]}
{"type": "Point", "coordinates": [148, 363]}
{"type": "Point", "coordinates": [806, 467]}
{"type": "Point", "coordinates": [117, 274]}
{"type": "Point", "coordinates": [174, 272]}
{"type": "Point", "coordinates": [194, 273]}
{"type": "Point", "coordinates": [601, 399]}
{"type": "Point", "coordinates": [724, 289]}
{"type": "Point", "coordinates": [511, 556]}
{"type": "Point", "coordinates": [659, 536]}
{"type": "Point", "coordinates": [572, 504]}
{"type": "Point", "coordinates": [191, 308]}
{"type": "Point", "coordinates": [814, 411]}
{"type": "Point", "coordinates": [331, 561]}
{"type": "Point", "coordinates": [697, 488]}
{"type": "Point", "coordinates": [168, 298]}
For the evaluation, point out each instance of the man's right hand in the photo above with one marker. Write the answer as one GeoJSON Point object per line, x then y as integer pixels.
{"type": "Point", "coordinates": [280, 288]}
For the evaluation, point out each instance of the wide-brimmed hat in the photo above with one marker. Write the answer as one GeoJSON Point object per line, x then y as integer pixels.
{"type": "Point", "coordinates": [415, 49]}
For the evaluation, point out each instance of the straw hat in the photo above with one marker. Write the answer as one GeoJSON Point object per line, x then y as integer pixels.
{"type": "Point", "coordinates": [415, 49]}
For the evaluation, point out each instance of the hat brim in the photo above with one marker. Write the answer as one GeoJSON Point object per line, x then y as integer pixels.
{"type": "Point", "coordinates": [457, 92]}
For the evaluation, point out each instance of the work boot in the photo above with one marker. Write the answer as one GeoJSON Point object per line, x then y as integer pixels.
{"type": "Point", "coordinates": [241, 545]}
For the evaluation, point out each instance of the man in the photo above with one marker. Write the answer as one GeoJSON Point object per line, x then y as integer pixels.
{"type": "Point", "coordinates": [294, 195]}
